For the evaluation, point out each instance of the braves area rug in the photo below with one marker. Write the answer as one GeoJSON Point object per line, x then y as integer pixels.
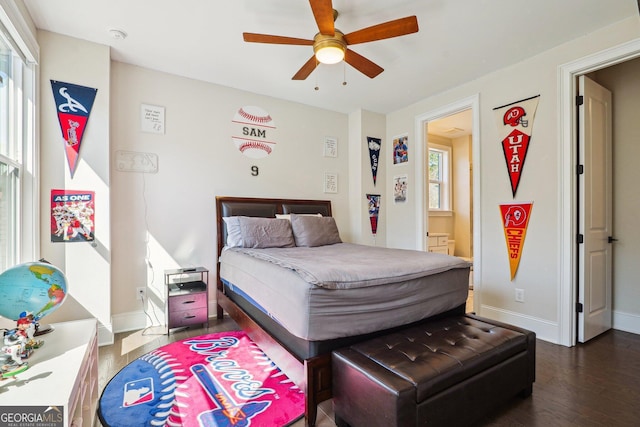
{"type": "Point", "coordinates": [221, 379]}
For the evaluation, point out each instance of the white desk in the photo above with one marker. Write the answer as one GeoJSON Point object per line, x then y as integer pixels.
{"type": "Point", "coordinates": [63, 373]}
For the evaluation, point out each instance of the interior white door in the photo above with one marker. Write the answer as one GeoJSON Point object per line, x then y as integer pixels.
{"type": "Point", "coordinates": [595, 210]}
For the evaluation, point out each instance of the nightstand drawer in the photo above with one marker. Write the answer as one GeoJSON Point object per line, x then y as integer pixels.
{"type": "Point", "coordinates": [188, 317]}
{"type": "Point", "coordinates": [188, 302]}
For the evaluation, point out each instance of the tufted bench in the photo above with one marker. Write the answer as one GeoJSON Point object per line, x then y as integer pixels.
{"type": "Point", "coordinates": [451, 371]}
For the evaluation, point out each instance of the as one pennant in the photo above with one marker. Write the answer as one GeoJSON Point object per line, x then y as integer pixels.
{"type": "Point", "coordinates": [73, 105]}
{"type": "Point", "coordinates": [374, 155]}
{"type": "Point", "coordinates": [515, 122]}
{"type": "Point", "coordinates": [515, 220]}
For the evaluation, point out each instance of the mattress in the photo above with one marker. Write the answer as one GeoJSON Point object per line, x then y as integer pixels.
{"type": "Point", "coordinates": [355, 294]}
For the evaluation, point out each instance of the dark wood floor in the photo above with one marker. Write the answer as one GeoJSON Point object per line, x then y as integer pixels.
{"type": "Point", "coordinates": [594, 384]}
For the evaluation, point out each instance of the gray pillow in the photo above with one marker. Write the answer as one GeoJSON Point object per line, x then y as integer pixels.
{"type": "Point", "coordinates": [311, 231]}
{"type": "Point", "coordinates": [253, 232]}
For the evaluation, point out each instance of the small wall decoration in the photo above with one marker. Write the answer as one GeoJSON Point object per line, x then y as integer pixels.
{"type": "Point", "coordinates": [374, 212]}
{"type": "Point", "coordinates": [515, 122]}
{"type": "Point", "coordinates": [253, 132]}
{"type": "Point", "coordinates": [151, 118]}
{"type": "Point", "coordinates": [73, 105]}
{"type": "Point", "coordinates": [330, 182]}
{"type": "Point", "coordinates": [400, 149]}
{"type": "Point", "coordinates": [72, 216]}
{"type": "Point", "coordinates": [374, 155]}
{"type": "Point", "coordinates": [515, 220]}
{"type": "Point", "coordinates": [400, 188]}
{"type": "Point", "coordinates": [330, 146]}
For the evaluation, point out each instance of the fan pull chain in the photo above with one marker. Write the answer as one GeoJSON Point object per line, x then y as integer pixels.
{"type": "Point", "coordinates": [344, 73]}
{"type": "Point", "coordinates": [317, 65]}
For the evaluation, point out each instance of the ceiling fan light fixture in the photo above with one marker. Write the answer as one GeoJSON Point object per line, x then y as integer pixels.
{"type": "Point", "coordinates": [329, 49]}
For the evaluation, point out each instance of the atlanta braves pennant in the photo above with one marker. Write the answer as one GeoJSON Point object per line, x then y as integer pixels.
{"type": "Point", "coordinates": [374, 211]}
{"type": "Point", "coordinates": [515, 121]}
{"type": "Point", "coordinates": [73, 104]}
{"type": "Point", "coordinates": [374, 155]}
{"type": "Point", "coordinates": [515, 220]}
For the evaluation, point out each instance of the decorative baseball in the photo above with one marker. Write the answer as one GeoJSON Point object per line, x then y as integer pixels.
{"type": "Point", "coordinates": [253, 129]}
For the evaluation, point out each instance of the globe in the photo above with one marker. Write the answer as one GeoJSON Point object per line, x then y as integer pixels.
{"type": "Point", "coordinates": [38, 288]}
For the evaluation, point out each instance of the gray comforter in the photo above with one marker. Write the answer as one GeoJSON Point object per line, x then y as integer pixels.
{"type": "Point", "coordinates": [348, 265]}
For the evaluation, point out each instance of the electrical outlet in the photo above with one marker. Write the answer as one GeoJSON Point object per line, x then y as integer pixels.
{"type": "Point", "coordinates": [141, 293]}
{"type": "Point", "coordinates": [519, 295]}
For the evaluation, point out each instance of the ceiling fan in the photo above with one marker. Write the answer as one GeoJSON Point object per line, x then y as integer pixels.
{"type": "Point", "coordinates": [330, 45]}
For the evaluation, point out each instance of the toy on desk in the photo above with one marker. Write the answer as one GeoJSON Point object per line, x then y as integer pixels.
{"type": "Point", "coordinates": [27, 326]}
{"type": "Point", "coordinates": [13, 353]}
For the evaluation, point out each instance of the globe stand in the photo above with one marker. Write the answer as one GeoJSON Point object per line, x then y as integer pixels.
{"type": "Point", "coordinates": [43, 329]}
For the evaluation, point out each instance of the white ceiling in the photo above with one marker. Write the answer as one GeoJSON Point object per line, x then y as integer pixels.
{"type": "Point", "coordinates": [458, 41]}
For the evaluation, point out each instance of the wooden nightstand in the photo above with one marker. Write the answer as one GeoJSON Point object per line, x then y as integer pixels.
{"type": "Point", "coordinates": [187, 297]}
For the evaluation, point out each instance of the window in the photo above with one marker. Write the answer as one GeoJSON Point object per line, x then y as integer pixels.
{"type": "Point", "coordinates": [17, 183]}
{"type": "Point", "coordinates": [439, 178]}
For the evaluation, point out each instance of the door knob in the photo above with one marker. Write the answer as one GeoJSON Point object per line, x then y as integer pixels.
{"type": "Point", "coordinates": [610, 239]}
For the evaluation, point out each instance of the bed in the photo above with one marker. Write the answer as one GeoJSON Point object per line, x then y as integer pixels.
{"type": "Point", "coordinates": [263, 275]}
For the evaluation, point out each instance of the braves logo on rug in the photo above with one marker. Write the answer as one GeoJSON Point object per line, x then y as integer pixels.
{"type": "Point", "coordinates": [211, 380]}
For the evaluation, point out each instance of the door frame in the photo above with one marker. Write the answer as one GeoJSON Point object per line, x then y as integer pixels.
{"type": "Point", "coordinates": [472, 103]}
{"type": "Point", "coordinates": [568, 89]}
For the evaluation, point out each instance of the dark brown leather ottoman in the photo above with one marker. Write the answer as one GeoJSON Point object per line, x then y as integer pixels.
{"type": "Point", "coordinates": [446, 372]}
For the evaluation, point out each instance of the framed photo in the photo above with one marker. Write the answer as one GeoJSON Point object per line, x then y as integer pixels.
{"type": "Point", "coordinates": [400, 149]}
{"type": "Point", "coordinates": [330, 146]}
{"type": "Point", "coordinates": [152, 118]}
{"type": "Point", "coordinates": [400, 188]}
{"type": "Point", "coordinates": [330, 182]}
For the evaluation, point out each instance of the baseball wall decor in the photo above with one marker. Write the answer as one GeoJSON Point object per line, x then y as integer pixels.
{"type": "Point", "coordinates": [73, 106]}
{"type": "Point", "coordinates": [253, 132]}
{"type": "Point", "coordinates": [374, 145]}
{"type": "Point", "coordinates": [400, 149]}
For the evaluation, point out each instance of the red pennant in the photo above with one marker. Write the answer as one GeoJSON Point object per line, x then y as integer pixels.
{"type": "Point", "coordinates": [73, 105]}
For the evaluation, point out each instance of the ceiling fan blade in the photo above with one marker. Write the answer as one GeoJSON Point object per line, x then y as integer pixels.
{"type": "Point", "coordinates": [362, 64]}
{"type": "Point", "coordinates": [386, 30]}
{"type": "Point", "coordinates": [323, 13]}
{"type": "Point", "coordinates": [267, 38]}
{"type": "Point", "coordinates": [306, 69]}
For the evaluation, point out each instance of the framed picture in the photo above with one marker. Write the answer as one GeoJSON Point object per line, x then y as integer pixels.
{"type": "Point", "coordinates": [330, 146]}
{"type": "Point", "coordinates": [330, 182]}
{"type": "Point", "coordinates": [400, 149]}
{"type": "Point", "coordinates": [151, 118]}
{"type": "Point", "coordinates": [400, 188]}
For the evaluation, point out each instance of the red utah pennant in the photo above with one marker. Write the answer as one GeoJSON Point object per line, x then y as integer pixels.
{"type": "Point", "coordinates": [515, 151]}
{"type": "Point", "coordinates": [515, 121]}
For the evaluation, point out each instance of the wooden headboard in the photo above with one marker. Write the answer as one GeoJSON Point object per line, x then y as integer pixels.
{"type": "Point", "coordinates": [261, 207]}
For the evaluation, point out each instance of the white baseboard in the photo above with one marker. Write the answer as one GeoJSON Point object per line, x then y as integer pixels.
{"type": "Point", "coordinates": [130, 321]}
{"type": "Point", "coordinates": [544, 329]}
{"type": "Point", "coordinates": [105, 334]}
{"type": "Point", "coordinates": [626, 322]}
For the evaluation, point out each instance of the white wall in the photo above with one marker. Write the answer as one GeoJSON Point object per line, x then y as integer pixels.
{"type": "Point", "coordinates": [168, 217]}
{"type": "Point", "coordinates": [87, 267]}
{"type": "Point", "coordinates": [539, 271]}
{"type": "Point", "coordinates": [363, 124]}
